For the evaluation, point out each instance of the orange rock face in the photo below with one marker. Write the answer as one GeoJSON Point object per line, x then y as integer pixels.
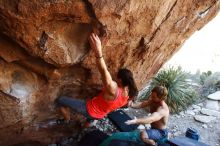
{"type": "Point", "coordinates": [44, 51]}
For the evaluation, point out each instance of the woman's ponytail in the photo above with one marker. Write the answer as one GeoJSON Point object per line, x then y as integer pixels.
{"type": "Point", "coordinates": [127, 79]}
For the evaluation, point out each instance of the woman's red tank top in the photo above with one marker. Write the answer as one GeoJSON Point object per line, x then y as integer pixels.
{"type": "Point", "coordinates": [98, 107]}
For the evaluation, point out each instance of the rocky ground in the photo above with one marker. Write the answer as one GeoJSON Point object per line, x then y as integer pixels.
{"type": "Point", "coordinates": [199, 116]}
{"type": "Point", "coordinates": [178, 124]}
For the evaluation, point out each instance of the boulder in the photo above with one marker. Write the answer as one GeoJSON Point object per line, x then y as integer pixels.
{"type": "Point", "coordinates": [210, 112]}
{"type": "Point", "coordinates": [204, 119]}
{"type": "Point", "coordinates": [212, 104]}
{"type": "Point", "coordinates": [214, 96]}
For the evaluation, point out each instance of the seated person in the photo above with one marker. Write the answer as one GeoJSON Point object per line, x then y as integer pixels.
{"type": "Point", "coordinates": [158, 120]}
{"type": "Point", "coordinates": [113, 96]}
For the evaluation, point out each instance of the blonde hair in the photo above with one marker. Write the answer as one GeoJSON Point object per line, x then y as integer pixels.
{"type": "Point", "coordinates": [161, 92]}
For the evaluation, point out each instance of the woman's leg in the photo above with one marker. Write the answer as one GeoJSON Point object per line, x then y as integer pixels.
{"type": "Point", "coordinates": [76, 105]}
{"type": "Point", "coordinates": [66, 113]}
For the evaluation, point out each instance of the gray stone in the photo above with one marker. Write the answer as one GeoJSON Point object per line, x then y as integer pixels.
{"type": "Point", "coordinates": [204, 126]}
{"type": "Point", "coordinates": [190, 112]}
{"type": "Point", "coordinates": [204, 119]}
{"type": "Point", "coordinates": [210, 112]}
{"type": "Point", "coordinates": [190, 108]}
{"type": "Point", "coordinates": [177, 116]}
{"type": "Point", "coordinates": [196, 107]}
{"type": "Point", "coordinates": [93, 123]}
{"type": "Point", "coordinates": [200, 104]}
{"type": "Point", "coordinates": [214, 96]}
{"type": "Point", "coordinates": [181, 113]}
{"type": "Point", "coordinates": [212, 104]}
{"type": "Point", "coordinates": [197, 110]}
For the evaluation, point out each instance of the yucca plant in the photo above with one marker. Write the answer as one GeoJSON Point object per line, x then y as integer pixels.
{"type": "Point", "coordinates": [180, 93]}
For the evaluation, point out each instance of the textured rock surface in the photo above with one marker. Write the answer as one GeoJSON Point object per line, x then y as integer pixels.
{"type": "Point", "coordinates": [44, 50]}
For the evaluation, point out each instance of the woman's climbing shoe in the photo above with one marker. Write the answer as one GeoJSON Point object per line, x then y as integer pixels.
{"type": "Point", "coordinates": [62, 122]}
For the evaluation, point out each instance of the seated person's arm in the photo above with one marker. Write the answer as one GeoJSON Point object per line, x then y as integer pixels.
{"type": "Point", "coordinates": [156, 116]}
{"type": "Point", "coordinates": [138, 105]}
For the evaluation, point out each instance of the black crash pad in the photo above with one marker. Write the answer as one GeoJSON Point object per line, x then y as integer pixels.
{"type": "Point", "coordinates": [118, 118]}
{"type": "Point", "coordinates": [185, 141]}
{"type": "Point", "coordinates": [93, 138]}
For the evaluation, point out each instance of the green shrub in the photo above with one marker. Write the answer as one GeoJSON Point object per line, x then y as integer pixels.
{"type": "Point", "coordinates": [180, 92]}
{"type": "Point", "coordinates": [211, 84]}
{"type": "Point", "coordinates": [204, 76]}
{"type": "Point", "coordinates": [217, 85]}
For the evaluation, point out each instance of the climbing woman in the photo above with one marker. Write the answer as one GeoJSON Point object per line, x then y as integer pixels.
{"type": "Point", "coordinates": [114, 95]}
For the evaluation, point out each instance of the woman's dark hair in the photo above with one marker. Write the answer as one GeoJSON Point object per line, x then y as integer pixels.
{"type": "Point", "coordinates": [127, 79]}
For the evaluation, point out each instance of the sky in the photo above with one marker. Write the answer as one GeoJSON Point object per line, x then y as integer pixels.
{"type": "Point", "coordinates": [201, 51]}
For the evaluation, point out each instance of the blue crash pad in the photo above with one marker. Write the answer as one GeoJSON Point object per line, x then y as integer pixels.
{"type": "Point", "coordinates": [185, 141]}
